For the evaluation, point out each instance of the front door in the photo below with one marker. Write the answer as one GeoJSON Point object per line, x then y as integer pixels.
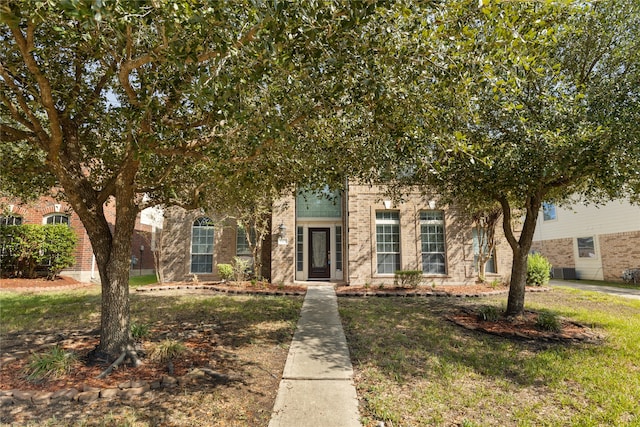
{"type": "Point", "coordinates": [319, 255]}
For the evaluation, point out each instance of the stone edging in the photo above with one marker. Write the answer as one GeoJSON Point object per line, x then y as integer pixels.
{"type": "Point", "coordinates": [224, 290]}
{"type": "Point", "coordinates": [125, 391]}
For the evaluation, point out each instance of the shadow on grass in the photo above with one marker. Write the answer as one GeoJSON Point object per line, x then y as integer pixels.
{"type": "Point", "coordinates": [405, 338]}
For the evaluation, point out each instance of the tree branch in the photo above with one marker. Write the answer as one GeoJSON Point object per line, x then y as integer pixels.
{"type": "Point", "coordinates": [26, 46]}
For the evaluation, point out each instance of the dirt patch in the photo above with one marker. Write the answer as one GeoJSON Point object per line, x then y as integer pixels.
{"type": "Point", "coordinates": [41, 284]}
{"type": "Point", "coordinates": [525, 327]}
{"type": "Point", "coordinates": [239, 288]}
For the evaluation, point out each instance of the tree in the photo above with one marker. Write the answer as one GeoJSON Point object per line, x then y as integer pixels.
{"type": "Point", "coordinates": [144, 103]}
{"type": "Point", "coordinates": [527, 102]}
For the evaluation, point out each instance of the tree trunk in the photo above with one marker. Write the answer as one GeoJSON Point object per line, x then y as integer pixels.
{"type": "Point", "coordinates": [515, 302]}
{"type": "Point", "coordinates": [520, 248]}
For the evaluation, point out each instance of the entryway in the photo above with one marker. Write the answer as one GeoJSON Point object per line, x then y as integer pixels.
{"type": "Point", "coordinates": [319, 253]}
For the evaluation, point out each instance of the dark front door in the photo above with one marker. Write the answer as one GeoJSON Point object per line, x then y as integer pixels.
{"type": "Point", "coordinates": [319, 254]}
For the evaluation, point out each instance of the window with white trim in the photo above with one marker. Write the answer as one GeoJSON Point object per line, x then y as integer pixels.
{"type": "Point", "coordinates": [387, 242]}
{"type": "Point", "coordinates": [202, 246]}
{"type": "Point", "coordinates": [549, 212]}
{"type": "Point", "coordinates": [339, 247]}
{"type": "Point", "coordinates": [299, 248]}
{"type": "Point", "coordinates": [10, 220]}
{"type": "Point", "coordinates": [242, 244]}
{"type": "Point", "coordinates": [586, 247]}
{"type": "Point", "coordinates": [55, 219]}
{"type": "Point", "coordinates": [490, 264]}
{"type": "Point", "coordinates": [433, 242]}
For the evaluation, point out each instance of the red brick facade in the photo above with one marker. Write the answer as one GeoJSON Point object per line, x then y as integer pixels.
{"type": "Point", "coordinates": [84, 268]}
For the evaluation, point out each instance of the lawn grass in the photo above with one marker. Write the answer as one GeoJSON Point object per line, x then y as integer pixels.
{"type": "Point", "coordinates": [414, 368]}
{"type": "Point", "coordinates": [147, 279]}
{"type": "Point", "coordinates": [251, 334]}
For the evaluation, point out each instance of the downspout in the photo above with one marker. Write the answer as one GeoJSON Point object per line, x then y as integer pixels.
{"type": "Point", "coordinates": [345, 240]}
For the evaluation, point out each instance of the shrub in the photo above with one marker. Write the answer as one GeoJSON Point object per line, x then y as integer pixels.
{"type": "Point", "coordinates": [30, 246]}
{"type": "Point", "coordinates": [50, 364]}
{"type": "Point", "coordinates": [538, 270]}
{"type": "Point", "coordinates": [167, 350]}
{"type": "Point", "coordinates": [225, 271]}
{"type": "Point", "coordinates": [548, 321]}
{"type": "Point", "coordinates": [240, 269]}
{"type": "Point", "coordinates": [408, 278]}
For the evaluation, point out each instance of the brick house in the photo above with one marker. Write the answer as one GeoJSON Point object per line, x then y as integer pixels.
{"type": "Point", "coordinates": [355, 237]}
{"type": "Point", "coordinates": [47, 210]}
{"type": "Point", "coordinates": [590, 242]}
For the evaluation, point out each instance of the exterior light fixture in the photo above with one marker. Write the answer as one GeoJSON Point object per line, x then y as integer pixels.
{"type": "Point", "coordinates": [282, 230]}
{"type": "Point", "coordinates": [387, 204]}
{"type": "Point", "coordinates": [432, 204]}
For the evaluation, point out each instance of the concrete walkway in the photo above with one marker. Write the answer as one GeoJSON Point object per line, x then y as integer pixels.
{"type": "Point", "coordinates": [317, 383]}
{"type": "Point", "coordinates": [611, 290]}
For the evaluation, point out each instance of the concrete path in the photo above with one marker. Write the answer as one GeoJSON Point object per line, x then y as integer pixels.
{"type": "Point", "coordinates": [317, 383]}
{"type": "Point", "coordinates": [611, 290]}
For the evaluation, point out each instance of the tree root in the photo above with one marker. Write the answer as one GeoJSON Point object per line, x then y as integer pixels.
{"type": "Point", "coordinates": [128, 352]}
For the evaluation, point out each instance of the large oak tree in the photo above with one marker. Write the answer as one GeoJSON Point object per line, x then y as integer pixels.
{"type": "Point", "coordinates": [143, 103]}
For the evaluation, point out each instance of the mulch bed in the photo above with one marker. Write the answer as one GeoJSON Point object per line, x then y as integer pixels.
{"type": "Point", "coordinates": [234, 288]}
{"type": "Point", "coordinates": [525, 327]}
{"type": "Point", "coordinates": [42, 284]}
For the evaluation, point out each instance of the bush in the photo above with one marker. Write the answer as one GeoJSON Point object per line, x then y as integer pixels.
{"type": "Point", "coordinates": [538, 270]}
{"type": "Point", "coordinates": [408, 278]}
{"type": "Point", "coordinates": [29, 247]}
{"type": "Point", "coordinates": [50, 364]}
{"type": "Point", "coordinates": [240, 269]}
{"type": "Point", "coordinates": [225, 271]}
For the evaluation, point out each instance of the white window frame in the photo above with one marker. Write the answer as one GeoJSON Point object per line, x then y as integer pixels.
{"type": "Point", "coordinates": [593, 246]}
{"type": "Point", "coordinates": [57, 219]}
{"type": "Point", "coordinates": [198, 225]}
{"type": "Point", "coordinates": [394, 223]}
{"type": "Point", "coordinates": [547, 210]}
{"type": "Point", "coordinates": [425, 221]}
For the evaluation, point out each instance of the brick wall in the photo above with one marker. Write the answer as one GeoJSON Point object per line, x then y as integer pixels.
{"type": "Point", "coordinates": [559, 252]}
{"type": "Point", "coordinates": [283, 255]}
{"type": "Point", "coordinates": [83, 269]}
{"type": "Point", "coordinates": [619, 251]}
{"type": "Point", "coordinates": [364, 201]}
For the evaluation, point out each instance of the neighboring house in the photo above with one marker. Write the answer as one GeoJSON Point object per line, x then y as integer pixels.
{"type": "Point", "coordinates": [599, 242]}
{"type": "Point", "coordinates": [357, 237]}
{"type": "Point", "coordinates": [47, 210]}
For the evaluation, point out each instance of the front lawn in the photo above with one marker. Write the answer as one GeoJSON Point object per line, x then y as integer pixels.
{"type": "Point", "coordinates": [243, 339]}
{"type": "Point", "coordinates": [414, 368]}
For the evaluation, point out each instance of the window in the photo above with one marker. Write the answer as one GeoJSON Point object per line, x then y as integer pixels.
{"type": "Point", "coordinates": [388, 242]}
{"type": "Point", "coordinates": [586, 247]}
{"type": "Point", "coordinates": [10, 220]}
{"type": "Point", "coordinates": [319, 204]}
{"type": "Point", "coordinates": [339, 247]}
{"type": "Point", "coordinates": [490, 265]}
{"type": "Point", "coordinates": [548, 212]}
{"type": "Point", "coordinates": [299, 249]}
{"type": "Point", "coordinates": [433, 243]}
{"type": "Point", "coordinates": [56, 219]}
{"type": "Point", "coordinates": [242, 244]}
{"type": "Point", "coordinates": [202, 246]}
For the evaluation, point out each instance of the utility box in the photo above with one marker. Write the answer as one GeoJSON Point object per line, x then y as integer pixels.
{"type": "Point", "coordinates": [563, 273]}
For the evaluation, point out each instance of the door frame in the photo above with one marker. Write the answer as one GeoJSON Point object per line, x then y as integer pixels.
{"type": "Point", "coordinates": [325, 273]}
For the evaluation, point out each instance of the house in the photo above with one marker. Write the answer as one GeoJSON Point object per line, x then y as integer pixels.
{"type": "Point", "coordinates": [590, 242]}
{"type": "Point", "coordinates": [355, 237]}
{"type": "Point", "coordinates": [46, 210]}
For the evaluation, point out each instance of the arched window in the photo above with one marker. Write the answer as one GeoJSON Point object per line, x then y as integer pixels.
{"type": "Point", "coordinates": [202, 246]}
{"type": "Point", "coordinates": [55, 219]}
{"type": "Point", "coordinates": [10, 220]}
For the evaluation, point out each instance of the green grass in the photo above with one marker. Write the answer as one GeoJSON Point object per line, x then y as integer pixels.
{"type": "Point", "coordinates": [148, 279]}
{"type": "Point", "coordinates": [414, 368]}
